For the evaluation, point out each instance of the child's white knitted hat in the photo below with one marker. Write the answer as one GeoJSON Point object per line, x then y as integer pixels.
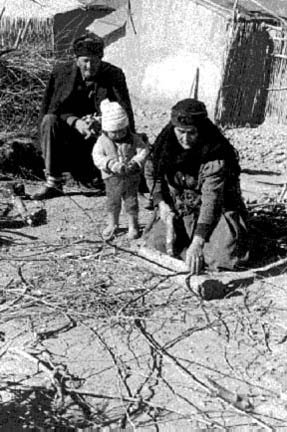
{"type": "Point", "coordinates": [114, 116]}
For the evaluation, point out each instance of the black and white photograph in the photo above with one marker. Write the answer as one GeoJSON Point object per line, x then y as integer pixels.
{"type": "Point", "coordinates": [143, 215]}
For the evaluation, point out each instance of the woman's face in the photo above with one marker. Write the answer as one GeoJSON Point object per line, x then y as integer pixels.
{"type": "Point", "coordinates": [187, 136]}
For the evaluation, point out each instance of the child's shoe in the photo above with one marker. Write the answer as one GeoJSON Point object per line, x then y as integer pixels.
{"type": "Point", "coordinates": [109, 232]}
{"type": "Point", "coordinates": [133, 231]}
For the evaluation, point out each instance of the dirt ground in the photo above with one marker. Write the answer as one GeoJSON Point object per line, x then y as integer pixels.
{"type": "Point", "coordinates": [94, 335]}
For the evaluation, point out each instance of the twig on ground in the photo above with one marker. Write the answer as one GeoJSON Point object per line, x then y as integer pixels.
{"type": "Point", "coordinates": [205, 415]}
{"type": "Point", "coordinates": [197, 380]}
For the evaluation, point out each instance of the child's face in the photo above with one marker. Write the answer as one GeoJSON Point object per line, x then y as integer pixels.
{"type": "Point", "coordinates": [117, 135]}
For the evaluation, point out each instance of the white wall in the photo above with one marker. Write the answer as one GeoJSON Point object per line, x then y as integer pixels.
{"type": "Point", "coordinates": [173, 38]}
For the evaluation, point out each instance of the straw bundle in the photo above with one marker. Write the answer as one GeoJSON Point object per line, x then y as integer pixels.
{"type": "Point", "coordinates": [23, 80]}
{"type": "Point", "coordinates": [24, 75]}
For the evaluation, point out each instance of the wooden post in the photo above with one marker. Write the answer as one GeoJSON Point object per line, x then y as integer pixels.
{"type": "Point", "coordinates": [195, 85]}
{"type": "Point", "coordinates": [2, 12]}
{"type": "Point", "coordinates": [235, 4]}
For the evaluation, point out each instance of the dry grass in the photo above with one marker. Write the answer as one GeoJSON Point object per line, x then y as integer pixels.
{"type": "Point", "coordinates": [24, 76]}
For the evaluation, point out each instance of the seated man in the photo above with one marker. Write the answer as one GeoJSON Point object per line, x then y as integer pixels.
{"type": "Point", "coordinates": [69, 126]}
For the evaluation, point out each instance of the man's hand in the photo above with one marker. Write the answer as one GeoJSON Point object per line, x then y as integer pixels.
{"type": "Point", "coordinates": [94, 123]}
{"type": "Point", "coordinates": [194, 256]}
{"type": "Point", "coordinates": [165, 211]}
{"type": "Point", "coordinates": [83, 128]}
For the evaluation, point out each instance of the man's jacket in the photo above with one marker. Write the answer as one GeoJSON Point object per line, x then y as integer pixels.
{"type": "Point", "coordinates": [61, 94]}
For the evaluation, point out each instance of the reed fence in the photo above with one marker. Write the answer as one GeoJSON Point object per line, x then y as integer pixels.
{"type": "Point", "coordinates": [244, 88]}
{"type": "Point", "coordinates": [276, 107]}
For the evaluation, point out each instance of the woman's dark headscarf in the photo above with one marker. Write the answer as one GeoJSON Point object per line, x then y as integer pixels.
{"type": "Point", "coordinates": [212, 145]}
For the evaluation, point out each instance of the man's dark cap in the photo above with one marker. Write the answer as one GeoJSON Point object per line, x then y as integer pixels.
{"type": "Point", "coordinates": [88, 45]}
{"type": "Point", "coordinates": [187, 112]}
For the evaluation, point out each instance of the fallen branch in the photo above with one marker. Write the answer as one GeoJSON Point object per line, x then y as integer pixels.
{"type": "Point", "coordinates": [210, 284]}
{"type": "Point", "coordinates": [162, 260]}
{"type": "Point", "coordinates": [14, 191]}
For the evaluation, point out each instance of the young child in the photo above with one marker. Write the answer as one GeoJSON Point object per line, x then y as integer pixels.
{"type": "Point", "coordinates": [120, 155]}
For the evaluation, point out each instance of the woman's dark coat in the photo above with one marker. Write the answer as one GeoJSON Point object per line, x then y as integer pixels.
{"type": "Point", "coordinates": [202, 188]}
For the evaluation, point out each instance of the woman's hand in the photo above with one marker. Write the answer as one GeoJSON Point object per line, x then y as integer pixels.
{"type": "Point", "coordinates": [166, 215]}
{"type": "Point", "coordinates": [164, 211]}
{"type": "Point", "coordinates": [194, 256]}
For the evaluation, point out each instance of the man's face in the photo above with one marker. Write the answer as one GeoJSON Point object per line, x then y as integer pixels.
{"type": "Point", "coordinates": [88, 65]}
{"type": "Point", "coordinates": [186, 136]}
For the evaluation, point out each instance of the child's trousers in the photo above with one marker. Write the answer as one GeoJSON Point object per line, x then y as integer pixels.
{"type": "Point", "coordinates": [124, 188]}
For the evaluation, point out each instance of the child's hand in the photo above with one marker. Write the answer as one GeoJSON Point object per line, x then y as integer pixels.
{"type": "Point", "coordinates": [133, 168]}
{"type": "Point", "coordinates": [117, 168]}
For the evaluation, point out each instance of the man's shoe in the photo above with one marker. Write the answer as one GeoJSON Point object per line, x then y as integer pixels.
{"type": "Point", "coordinates": [48, 192]}
{"type": "Point", "coordinates": [92, 186]}
{"type": "Point", "coordinates": [133, 233]}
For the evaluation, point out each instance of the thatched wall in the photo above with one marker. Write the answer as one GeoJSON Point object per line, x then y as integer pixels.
{"type": "Point", "coordinates": [276, 106]}
{"type": "Point", "coordinates": [39, 33]}
{"type": "Point", "coordinates": [39, 14]}
{"type": "Point", "coordinates": [36, 9]}
{"type": "Point", "coordinates": [53, 24]}
{"type": "Point", "coordinates": [173, 38]}
{"type": "Point", "coordinates": [243, 96]}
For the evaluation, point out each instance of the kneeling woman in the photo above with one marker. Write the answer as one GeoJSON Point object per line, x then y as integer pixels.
{"type": "Point", "coordinates": [193, 175]}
